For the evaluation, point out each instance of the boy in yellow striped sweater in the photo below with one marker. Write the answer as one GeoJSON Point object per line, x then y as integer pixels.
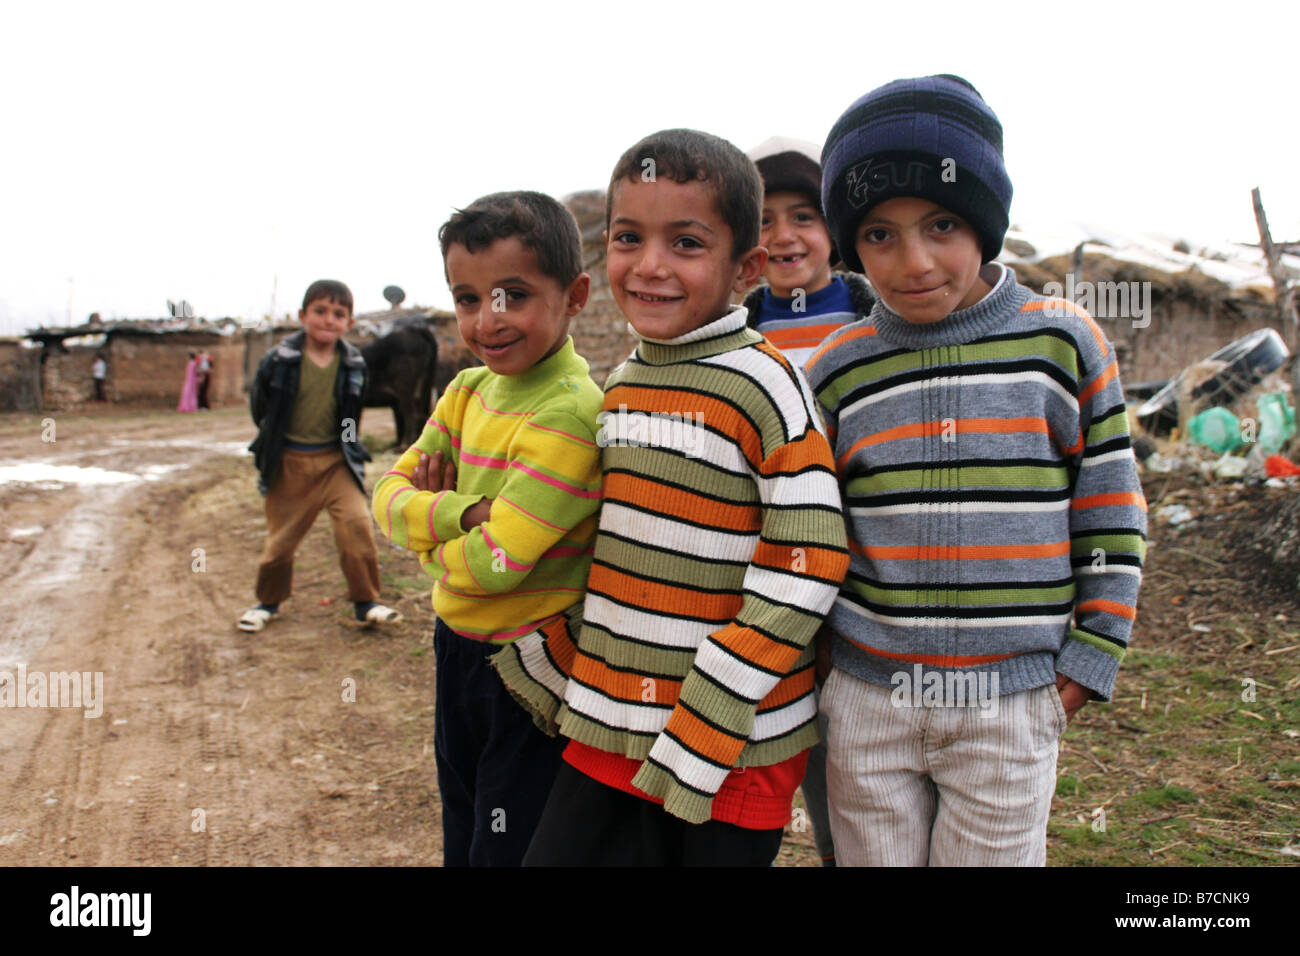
{"type": "Point", "coordinates": [499, 499]}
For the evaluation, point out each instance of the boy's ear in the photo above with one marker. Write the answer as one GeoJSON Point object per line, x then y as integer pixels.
{"type": "Point", "coordinates": [751, 266]}
{"type": "Point", "coordinates": [577, 295]}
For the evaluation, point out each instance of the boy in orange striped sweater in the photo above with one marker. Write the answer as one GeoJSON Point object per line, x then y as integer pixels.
{"type": "Point", "coordinates": [499, 498]}
{"type": "Point", "coordinates": [799, 307]}
{"type": "Point", "coordinates": [689, 706]}
{"type": "Point", "coordinates": [997, 521]}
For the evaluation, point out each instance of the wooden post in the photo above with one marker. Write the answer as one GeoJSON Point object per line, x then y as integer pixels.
{"type": "Point", "coordinates": [40, 380]}
{"type": "Point", "coordinates": [1076, 263]}
{"type": "Point", "coordinates": [1286, 302]}
{"type": "Point", "coordinates": [1286, 312]}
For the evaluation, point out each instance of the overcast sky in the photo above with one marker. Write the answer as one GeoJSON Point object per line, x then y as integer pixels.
{"type": "Point", "coordinates": [220, 152]}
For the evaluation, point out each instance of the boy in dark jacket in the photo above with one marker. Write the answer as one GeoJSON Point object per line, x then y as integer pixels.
{"type": "Point", "coordinates": [306, 401]}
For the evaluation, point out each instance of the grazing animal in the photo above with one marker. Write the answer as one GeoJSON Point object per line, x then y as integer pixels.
{"type": "Point", "coordinates": [402, 370]}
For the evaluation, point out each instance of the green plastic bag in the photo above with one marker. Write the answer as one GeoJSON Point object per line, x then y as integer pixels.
{"type": "Point", "coordinates": [1276, 421]}
{"type": "Point", "coordinates": [1216, 428]}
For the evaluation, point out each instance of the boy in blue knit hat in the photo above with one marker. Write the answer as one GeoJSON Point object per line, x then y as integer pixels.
{"type": "Point", "coordinates": [996, 519]}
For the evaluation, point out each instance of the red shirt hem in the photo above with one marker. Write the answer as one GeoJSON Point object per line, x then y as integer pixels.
{"type": "Point", "coordinates": [756, 798]}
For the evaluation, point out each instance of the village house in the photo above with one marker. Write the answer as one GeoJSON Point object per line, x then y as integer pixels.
{"type": "Point", "coordinates": [1163, 305]}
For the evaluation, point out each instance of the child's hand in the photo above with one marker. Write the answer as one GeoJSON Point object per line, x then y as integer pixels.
{"type": "Point", "coordinates": [433, 474]}
{"type": "Point", "coordinates": [476, 514]}
{"type": "Point", "coordinates": [822, 647]}
{"type": "Point", "coordinates": [1073, 696]}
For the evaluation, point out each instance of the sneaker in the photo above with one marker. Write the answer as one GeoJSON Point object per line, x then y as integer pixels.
{"type": "Point", "coordinates": [378, 614]}
{"type": "Point", "coordinates": [254, 619]}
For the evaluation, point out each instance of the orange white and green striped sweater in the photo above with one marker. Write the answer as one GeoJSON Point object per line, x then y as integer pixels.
{"type": "Point", "coordinates": [721, 547]}
{"type": "Point", "coordinates": [528, 442]}
{"type": "Point", "coordinates": [996, 518]}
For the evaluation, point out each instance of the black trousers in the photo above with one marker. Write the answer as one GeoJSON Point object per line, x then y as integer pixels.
{"type": "Point", "coordinates": [589, 824]}
{"type": "Point", "coordinates": [495, 768]}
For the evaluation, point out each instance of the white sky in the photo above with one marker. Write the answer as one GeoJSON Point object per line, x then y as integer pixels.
{"type": "Point", "coordinates": [201, 150]}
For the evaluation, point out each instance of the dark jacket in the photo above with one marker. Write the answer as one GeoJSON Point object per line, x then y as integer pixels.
{"type": "Point", "coordinates": [859, 291]}
{"type": "Point", "coordinates": [271, 401]}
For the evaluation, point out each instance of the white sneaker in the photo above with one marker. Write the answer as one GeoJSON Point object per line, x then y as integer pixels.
{"type": "Point", "coordinates": [254, 619]}
{"type": "Point", "coordinates": [379, 614]}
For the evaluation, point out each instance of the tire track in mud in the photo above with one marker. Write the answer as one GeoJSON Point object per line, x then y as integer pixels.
{"type": "Point", "coordinates": [86, 598]}
{"type": "Point", "coordinates": [250, 729]}
{"type": "Point", "coordinates": [215, 693]}
{"type": "Point", "coordinates": [59, 750]}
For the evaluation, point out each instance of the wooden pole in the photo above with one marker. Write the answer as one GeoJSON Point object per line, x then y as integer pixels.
{"type": "Point", "coordinates": [1285, 298]}
{"type": "Point", "coordinates": [1286, 312]}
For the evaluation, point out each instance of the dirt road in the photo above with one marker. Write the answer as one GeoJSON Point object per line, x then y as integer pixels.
{"type": "Point", "coordinates": [127, 549]}
{"type": "Point", "coordinates": [213, 746]}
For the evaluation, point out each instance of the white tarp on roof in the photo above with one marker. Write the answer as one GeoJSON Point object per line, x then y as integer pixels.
{"type": "Point", "coordinates": [1239, 266]}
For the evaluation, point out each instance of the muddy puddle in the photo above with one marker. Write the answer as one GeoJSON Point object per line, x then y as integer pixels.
{"type": "Point", "coordinates": [62, 508]}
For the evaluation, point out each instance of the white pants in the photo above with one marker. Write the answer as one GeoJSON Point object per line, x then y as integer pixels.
{"type": "Point", "coordinates": [939, 786]}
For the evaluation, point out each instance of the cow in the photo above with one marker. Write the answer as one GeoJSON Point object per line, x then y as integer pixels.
{"type": "Point", "coordinates": [402, 369]}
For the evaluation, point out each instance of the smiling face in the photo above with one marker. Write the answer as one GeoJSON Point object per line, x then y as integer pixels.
{"type": "Point", "coordinates": [921, 259]}
{"type": "Point", "coordinates": [510, 313]}
{"type": "Point", "coordinates": [670, 257]}
{"type": "Point", "coordinates": [326, 321]}
{"type": "Point", "coordinates": [798, 245]}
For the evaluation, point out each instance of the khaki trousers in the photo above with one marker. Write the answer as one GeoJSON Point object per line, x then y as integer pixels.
{"type": "Point", "coordinates": [307, 482]}
{"type": "Point", "coordinates": [943, 785]}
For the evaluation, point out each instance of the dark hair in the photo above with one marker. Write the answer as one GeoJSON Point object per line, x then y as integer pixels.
{"type": "Point", "coordinates": [330, 289]}
{"type": "Point", "coordinates": [539, 222]}
{"type": "Point", "coordinates": [688, 155]}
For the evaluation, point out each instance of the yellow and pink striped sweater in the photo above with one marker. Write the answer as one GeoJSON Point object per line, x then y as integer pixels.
{"type": "Point", "coordinates": [528, 442]}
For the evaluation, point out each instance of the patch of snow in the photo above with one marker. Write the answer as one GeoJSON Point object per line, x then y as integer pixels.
{"type": "Point", "coordinates": [57, 476]}
{"type": "Point", "coordinates": [154, 472]}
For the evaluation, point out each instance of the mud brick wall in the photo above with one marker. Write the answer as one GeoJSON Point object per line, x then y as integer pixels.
{"type": "Point", "coordinates": [256, 343]}
{"type": "Point", "coordinates": [600, 332]}
{"type": "Point", "coordinates": [19, 370]}
{"type": "Point", "coordinates": [1192, 315]}
{"type": "Point", "coordinates": [1181, 334]}
{"type": "Point", "coordinates": [150, 369]}
{"type": "Point", "coordinates": [66, 381]}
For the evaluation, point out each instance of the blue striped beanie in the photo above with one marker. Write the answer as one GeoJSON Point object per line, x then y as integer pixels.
{"type": "Point", "coordinates": [932, 137]}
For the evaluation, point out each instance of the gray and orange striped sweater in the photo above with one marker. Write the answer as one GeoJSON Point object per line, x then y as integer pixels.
{"type": "Point", "coordinates": [996, 518]}
{"type": "Point", "coordinates": [720, 549]}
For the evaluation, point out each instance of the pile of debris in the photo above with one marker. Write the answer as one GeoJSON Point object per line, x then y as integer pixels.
{"type": "Point", "coordinates": [1227, 421]}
